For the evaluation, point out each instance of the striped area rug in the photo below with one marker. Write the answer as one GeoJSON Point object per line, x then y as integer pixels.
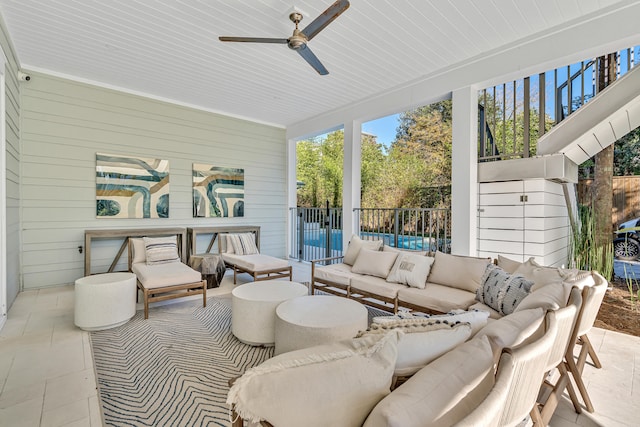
{"type": "Point", "coordinates": [173, 368]}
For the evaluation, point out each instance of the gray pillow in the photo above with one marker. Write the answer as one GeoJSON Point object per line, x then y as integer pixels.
{"type": "Point", "coordinates": [502, 291]}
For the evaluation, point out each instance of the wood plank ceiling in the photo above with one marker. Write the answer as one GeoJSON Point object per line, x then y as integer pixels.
{"type": "Point", "coordinates": [169, 48]}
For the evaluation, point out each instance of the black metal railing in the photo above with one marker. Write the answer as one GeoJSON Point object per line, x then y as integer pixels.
{"type": "Point", "coordinates": [513, 116]}
{"type": "Point", "coordinates": [317, 232]}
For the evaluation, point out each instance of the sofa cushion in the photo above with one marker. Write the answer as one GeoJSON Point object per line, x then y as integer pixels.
{"type": "Point", "coordinates": [437, 297]}
{"type": "Point", "coordinates": [167, 274]}
{"type": "Point", "coordinates": [388, 248]}
{"type": "Point", "coordinates": [516, 328]}
{"type": "Point", "coordinates": [552, 296]}
{"type": "Point", "coordinates": [329, 385]}
{"type": "Point", "coordinates": [337, 273]}
{"type": "Point", "coordinates": [541, 275]}
{"type": "Point", "coordinates": [441, 393]}
{"type": "Point", "coordinates": [356, 244]}
{"type": "Point", "coordinates": [139, 252]}
{"type": "Point", "coordinates": [502, 291]}
{"type": "Point", "coordinates": [459, 272]}
{"type": "Point", "coordinates": [507, 264]}
{"type": "Point", "coordinates": [161, 250]}
{"type": "Point", "coordinates": [225, 244]}
{"type": "Point", "coordinates": [376, 286]}
{"type": "Point", "coordinates": [423, 341]}
{"type": "Point", "coordinates": [242, 243]}
{"type": "Point", "coordinates": [255, 262]}
{"type": "Point", "coordinates": [374, 263]}
{"type": "Point", "coordinates": [411, 269]}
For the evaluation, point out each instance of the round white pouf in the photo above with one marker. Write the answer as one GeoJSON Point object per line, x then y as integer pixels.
{"type": "Point", "coordinates": [104, 301]}
{"type": "Point", "coordinates": [253, 309]}
{"type": "Point", "coordinates": [317, 319]}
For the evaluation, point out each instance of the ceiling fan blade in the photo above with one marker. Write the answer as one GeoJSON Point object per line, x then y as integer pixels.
{"type": "Point", "coordinates": [252, 40]}
{"type": "Point", "coordinates": [325, 18]}
{"type": "Point", "coordinates": [308, 56]}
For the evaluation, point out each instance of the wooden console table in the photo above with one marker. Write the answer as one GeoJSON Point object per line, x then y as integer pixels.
{"type": "Point", "coordinates": [192, 234]}
{"type": "Point", "coordinates": [128, 233]}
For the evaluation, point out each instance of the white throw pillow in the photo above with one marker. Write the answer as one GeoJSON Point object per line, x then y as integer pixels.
{"type": "Point", "coordinates": [139, 252]}
{"type": "Point", "coordinates": [356, 244]}
{"type": "Point", "coordinates": [477, 319]}
{"type": "Point", "coordinates": [502, 291]}
{"type": "Point", "coordinates": [161, 250]}
{"type": "Point", "coordinates": [459, 272]}
{"type": "Point", "coordinates": [411, 269]}
{"type": "Point", "coordinates": [329, 385]}
{"type": "Point", "coordinates": [374, 263]}
{"type": "Point", "coordinates": [243, 243]}
{"type": "Point", "coordinates": [441, 393]}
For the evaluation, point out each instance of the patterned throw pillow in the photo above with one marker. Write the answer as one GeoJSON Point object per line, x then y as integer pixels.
{"type": "Point", "coordinates": [161, 250]}
{"type": "Point", "coordinates": [243, 243]}
{"type": "Point", "coordinates": [502, 291]}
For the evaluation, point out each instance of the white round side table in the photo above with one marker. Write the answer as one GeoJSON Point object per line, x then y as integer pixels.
{"type": "Point", "coordinates": [253, 309]}
{"type": "Point", "coordinates": [104, 301]}
{"type": "Point", "coordinates": [317, 319]}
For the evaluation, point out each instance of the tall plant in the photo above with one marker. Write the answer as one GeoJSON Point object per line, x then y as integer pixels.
{"type": "Point", "coordinates": [584, 253]}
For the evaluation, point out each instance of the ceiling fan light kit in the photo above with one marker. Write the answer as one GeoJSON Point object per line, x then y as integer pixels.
{"type": "Point", "coordinates": [300, 38]}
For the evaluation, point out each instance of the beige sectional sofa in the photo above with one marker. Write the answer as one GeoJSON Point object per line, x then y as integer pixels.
{"type": "Point", "coordinates": [340, 384]}
{"type": "Point", "coordinates": [365, 273]}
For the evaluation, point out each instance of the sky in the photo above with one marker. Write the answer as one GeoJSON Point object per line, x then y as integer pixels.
{"type": "Point", "coordinates": [384, 128]}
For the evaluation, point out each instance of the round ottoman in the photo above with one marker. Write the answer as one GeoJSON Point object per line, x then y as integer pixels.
{"type": "Point", "coordinates": [104, 301]}
{"type": "Point", "coordinates": [317, 319]}
{"type": "Point", "coordinates": [253, 309]}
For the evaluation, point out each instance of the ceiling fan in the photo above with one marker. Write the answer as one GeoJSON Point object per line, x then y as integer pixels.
{"type": "Point", "coordinates": [298, 41]}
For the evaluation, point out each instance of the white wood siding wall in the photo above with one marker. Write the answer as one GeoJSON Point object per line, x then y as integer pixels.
{"type": "Point", "coordinates": [12, 119]}
{"type": "Point", "coordinates": [65, 123]}
{"type": "Point", "coordinates": [538, 227]}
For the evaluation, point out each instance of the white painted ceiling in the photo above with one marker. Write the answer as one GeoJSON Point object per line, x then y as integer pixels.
{"type": "Point", "coordinates": [170, 48]}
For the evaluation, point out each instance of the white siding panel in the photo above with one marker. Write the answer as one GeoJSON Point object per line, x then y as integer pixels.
{"type": "Point", "coordinates": [66, 123]}
{"type": "Point", "coordinates": [501, 187]}
{"type": "Point", "coordinates": [501, 223]}
{"type": "Point", "coordinates": [13, 154]}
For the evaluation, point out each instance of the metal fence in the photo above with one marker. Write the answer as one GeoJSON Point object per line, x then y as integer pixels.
{"type": "Point", "coordinates": [317, 232]}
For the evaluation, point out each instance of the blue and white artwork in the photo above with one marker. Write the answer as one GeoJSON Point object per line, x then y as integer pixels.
{"type": "Point", "coordinates": [217, 191]}
{"type": "Point", "coordinates": [131, 187]}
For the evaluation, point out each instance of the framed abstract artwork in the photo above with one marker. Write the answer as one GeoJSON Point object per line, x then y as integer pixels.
{"type": "Point", "coordinates": [131, 187]}
{"type": "Point", "coordinates": [217, 191]}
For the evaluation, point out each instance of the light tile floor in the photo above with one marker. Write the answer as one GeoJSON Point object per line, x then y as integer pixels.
{"type": "Point", "coordinates": [47, 377]}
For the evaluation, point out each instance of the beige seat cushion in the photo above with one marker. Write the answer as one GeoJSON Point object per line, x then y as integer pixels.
{"type": "Point", "coordinates": [459, 272]}
{"type": "Point", "coordinates": [337, 273]}
{"type": "Point", "coordinates": [329, 385]}
{"type": "Point", "coordinates": [162, 275]}
{"type": "Point", "coordinates": [255, 262]}
{"type": "Point", "coordinates": [441, 393]}
{"type": "Point", "coordinates": [516, 328]}
{"type": "Point", "coordinates": [375, 285]}
{"type": "Point", "coordinates": [437, 297]}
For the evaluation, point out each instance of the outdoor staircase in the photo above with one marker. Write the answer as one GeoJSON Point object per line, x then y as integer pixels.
{"type": "Point", "coordinates": [609, 116]}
